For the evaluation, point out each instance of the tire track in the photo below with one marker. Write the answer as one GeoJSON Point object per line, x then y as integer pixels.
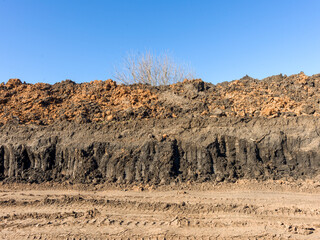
{"type": "Point", "coordinates": [145, 215]}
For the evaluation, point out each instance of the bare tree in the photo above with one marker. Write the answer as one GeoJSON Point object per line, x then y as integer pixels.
{"type": "Point", "coordinates": [151, 69]}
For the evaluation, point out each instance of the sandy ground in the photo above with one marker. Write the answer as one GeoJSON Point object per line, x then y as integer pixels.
{"type": "Point", "coordinates": [242, 210]}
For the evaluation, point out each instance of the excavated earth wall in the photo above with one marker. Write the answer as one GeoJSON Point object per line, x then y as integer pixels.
{"type": "Point", "coordinates": [162, 151]}
{"type": "Point", "coordinates": [189, 131]}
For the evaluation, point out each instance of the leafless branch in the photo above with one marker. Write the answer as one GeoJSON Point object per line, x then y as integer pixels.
{"type": "Point", "coordinates": [151, 69]}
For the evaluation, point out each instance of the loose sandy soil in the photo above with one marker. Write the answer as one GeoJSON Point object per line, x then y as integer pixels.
{"type": "Point", "coordinates": [242, 210]}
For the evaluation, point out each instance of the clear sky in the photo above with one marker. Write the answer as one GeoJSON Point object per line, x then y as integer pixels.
{"type": "Point", "coordinates": [82, 40]}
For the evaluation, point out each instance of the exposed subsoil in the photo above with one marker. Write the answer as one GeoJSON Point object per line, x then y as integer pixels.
{"type": "Point", "coordinates": [190, 131]}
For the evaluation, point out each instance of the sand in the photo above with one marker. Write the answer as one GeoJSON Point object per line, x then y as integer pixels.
{"type": "Point", "coordinates": [241, 210]}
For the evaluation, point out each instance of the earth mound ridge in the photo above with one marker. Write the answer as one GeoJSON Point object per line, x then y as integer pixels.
{"type": "Point", "coordinates": [100, 101]}
{"type": "Point", "coordinates": [190, 131]}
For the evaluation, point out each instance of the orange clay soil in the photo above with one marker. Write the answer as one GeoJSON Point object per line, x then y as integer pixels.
{"type": "Point", "coordinates": [99, 101]}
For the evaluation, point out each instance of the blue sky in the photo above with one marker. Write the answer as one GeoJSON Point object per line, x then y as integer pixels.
{"type": "Point", "coordinates": [82, 40]}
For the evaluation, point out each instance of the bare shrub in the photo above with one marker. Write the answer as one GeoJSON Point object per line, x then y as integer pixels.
{"type": "Point", "coordinates": [151, 69]}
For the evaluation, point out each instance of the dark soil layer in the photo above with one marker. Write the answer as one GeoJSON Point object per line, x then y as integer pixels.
{"type": "Point", "coordinates": [190, 131]}
{"type": "Point", "coordinates": [162, 151]}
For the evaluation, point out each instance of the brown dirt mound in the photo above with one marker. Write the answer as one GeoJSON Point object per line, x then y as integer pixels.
{"type": "Point", "coordinates": [190, 131]}
{"type": "Point", "coordinates": [100, 101]}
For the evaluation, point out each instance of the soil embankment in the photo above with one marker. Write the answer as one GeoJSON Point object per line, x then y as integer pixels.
{"type": "Point", "coordinates": [190, 131]}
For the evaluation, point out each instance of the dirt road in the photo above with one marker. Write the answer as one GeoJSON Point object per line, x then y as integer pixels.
{"type": "Point", "coordinates": [270, 210]}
